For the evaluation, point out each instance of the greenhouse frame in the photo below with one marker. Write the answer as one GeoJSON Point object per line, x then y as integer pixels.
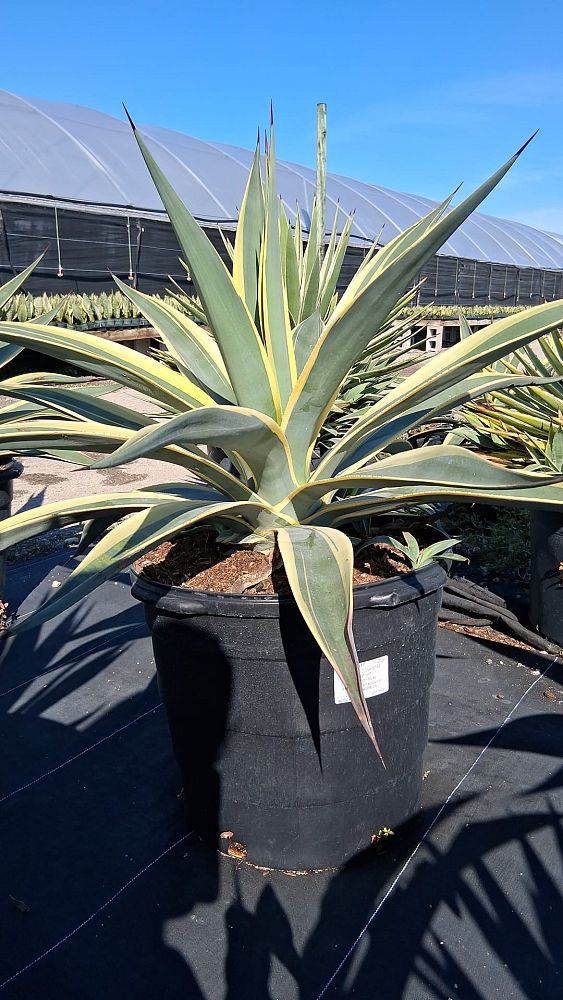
{"type": "Point", "coordinates": [72, 180]}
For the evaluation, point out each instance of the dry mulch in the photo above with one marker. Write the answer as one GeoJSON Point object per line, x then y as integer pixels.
{"type": "Point", "coordinates": [197, 561]}
{"type": "Point", "coordinates": [489, 634]}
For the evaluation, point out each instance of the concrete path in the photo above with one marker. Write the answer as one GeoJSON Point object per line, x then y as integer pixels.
{"type": "Point", "coordinates": [46, 479]}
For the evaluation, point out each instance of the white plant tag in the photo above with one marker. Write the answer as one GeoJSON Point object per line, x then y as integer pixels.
{"type": "Point", "coordinates": [375, 680]}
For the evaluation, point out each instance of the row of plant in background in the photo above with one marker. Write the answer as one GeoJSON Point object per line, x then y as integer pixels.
{"type": "Point", "coordinates": [453, 311]}
{"type": "Point", "coordinates": [72, 309]}
{"type": "Point", "coordinates": [77, 309]}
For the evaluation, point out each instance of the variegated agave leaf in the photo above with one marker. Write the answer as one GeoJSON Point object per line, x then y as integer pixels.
{"type": "Point", "coordinates": [523, 422]}
{"type": "Point", "coordinates": [258, 381]}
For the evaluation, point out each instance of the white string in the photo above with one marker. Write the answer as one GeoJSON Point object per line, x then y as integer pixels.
{"type": "Point", "coordinates": [53, 770]}
{"type": "Point", "coordinates": [373, 916]}
{"type": "Point", "coordinates": [426, 834]}
{"type": "Point", "coordinates": [93, 915]}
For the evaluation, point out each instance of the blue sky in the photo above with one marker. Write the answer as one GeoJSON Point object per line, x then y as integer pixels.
{"type": "Point", "coordinates": [420, 95]}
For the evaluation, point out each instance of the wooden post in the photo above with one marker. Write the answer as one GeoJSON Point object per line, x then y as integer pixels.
{"type": "Point", "coordinates": [321, 178]}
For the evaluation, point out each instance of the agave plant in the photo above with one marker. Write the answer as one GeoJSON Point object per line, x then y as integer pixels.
{"type": "Point", "coordinates": [70, 310]}
{"type": "Point", "coordinates": [413, 554]}
{"type": "Point", "coordinates": [372, 374]}
{"type": "Point", "coordinates": [523, 423]}
{"type": "Point", "coordinates": [259, 386]}
{"type": "Point", "coordinates": [376, 371]}
{"type": "Point", "coordinates": [10, 299]}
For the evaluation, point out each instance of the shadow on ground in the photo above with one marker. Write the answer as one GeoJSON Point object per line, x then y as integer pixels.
{"type": "Point", "coordinates": [123, 902]}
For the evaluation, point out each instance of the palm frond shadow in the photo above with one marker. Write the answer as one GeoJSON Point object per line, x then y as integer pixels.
{"type": "Point", "coordinates": [481, 901]}
{"type": "Point", "coordinates": [460, 918]}
{"type": "Point", "coordinates": [533, 734]}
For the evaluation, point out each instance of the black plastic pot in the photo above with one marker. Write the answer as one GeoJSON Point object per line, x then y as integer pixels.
{"type": "Point", "coordinates": [9, 470]}
{"type": "Point", "coordinates": [546, 584]}
{"type": "Point", "coordinates": [266, 752]}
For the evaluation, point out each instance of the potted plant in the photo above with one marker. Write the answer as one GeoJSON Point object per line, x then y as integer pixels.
{"type": "Point", "coordinates": [524, 425]}
{"type": "Point", "coordinates": [10, 469]}
{"type": "Point", "coordinates": [296, 737]}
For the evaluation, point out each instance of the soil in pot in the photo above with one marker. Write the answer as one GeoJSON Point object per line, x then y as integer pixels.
{"type": "Point", "coordinates": [268, 747]}
{"type": "Point", "coordinates": [198, 562]}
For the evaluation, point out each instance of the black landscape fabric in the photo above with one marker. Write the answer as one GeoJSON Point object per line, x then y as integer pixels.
{"type": "Point", "coordinates": [105, 894]}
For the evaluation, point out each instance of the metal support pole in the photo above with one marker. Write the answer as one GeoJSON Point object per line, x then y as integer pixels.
{"type": "Point", "coordinates": [129, 248]}
{"type": "Point", "coordinates": [60, 272]}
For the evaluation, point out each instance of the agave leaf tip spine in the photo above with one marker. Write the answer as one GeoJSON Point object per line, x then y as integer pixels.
{"type": "Point", "coordinates": [130, 120]}
{"type": "Point", "coordinates": [527, 143]}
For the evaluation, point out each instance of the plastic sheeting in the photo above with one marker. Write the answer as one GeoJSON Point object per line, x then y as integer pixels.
{"type": "Point", "coordinates": [50, 150]}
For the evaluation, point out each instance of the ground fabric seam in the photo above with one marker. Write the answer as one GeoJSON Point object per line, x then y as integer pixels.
{"type": "Point", "coordinates": [92, 916]}
{"type": "Point", "coordinates": [53, 770]}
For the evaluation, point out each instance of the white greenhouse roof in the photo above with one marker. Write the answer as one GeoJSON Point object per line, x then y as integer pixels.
{"type": "Point", "coordinates": [83, 157]}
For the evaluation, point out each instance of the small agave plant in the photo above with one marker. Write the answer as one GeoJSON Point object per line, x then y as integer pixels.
{"type": "Point", "coordinates": [11, 299]}
{"type": "Point", "coordinates": [259, 386]}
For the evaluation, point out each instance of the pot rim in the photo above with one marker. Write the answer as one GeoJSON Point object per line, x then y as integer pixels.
{"type": "Point", "coordinates": [10, 468]}
{"type": "Point", "coordinates": [391, 592]}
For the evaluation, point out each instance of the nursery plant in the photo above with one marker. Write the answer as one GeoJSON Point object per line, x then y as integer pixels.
{"type": "Point", "coordinates": [9, 469]}
{"type": "Point", "coordinates": [259, 386]}
{"type": "Point", "coordinates": [9, 294]}
{"type": "Point", "coordinates": [523, 423]}
{"type": "Point", "coordinates": [375, 371]}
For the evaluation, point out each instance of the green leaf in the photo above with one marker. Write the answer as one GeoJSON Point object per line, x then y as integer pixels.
{"type": "Point", "coordinates": [10, 351]}
{"type": "Point", "coordinates": [48, 436]}
{"type": "Point", "coordinates": [10, 287]}
{"type": "Point", "coordinates": [310, 256]}
{"type": "Point", "coordinates": [227, 313]}
{"type": "Point", "coordinates": [194, 350]}
{"type": "Point", "coordinates": [96, 526]}
{"type": "Point", "coordinates": [80, 404]}
{"type": "Point", "coordinates": [442, 466]}
{"type": "Point", "coordinates": [246, 257]}
{"type": "Point", "coordinates": [7, 353]}
{"type": "Point", "coordinates": [310, 293]}
{"type": "Point", "coordinates": [318, 563]}
{"type": "Point", "coordinates": [292, 278]}
{"type": "Point", "coordinates": [253, 436]}
{"type": "Point", "coordinates": [441, 550]}
{"type": "Point", "coordinates": [16, 412]}
{"type": "Point", "coordinates": [356, 319]}
{"type": "Point", "coordinates": [405, 240]}
{"type": "Point", "coordinates": [442, 372]}
{"type": "Point", "coordinates": [332, 266]}
{"type": "Point", "coordinates": [29, 523]}
{"type": "Point", "coordinates": [305, 336]}
{"type": "Point", "coordinates": [274, 311]}
{"type": "Point", "coordinates": [556, 443]}
{"type": "Point", "coordinates": [125, 543]}
{"type": "Point", "coordinates": [109, 360]}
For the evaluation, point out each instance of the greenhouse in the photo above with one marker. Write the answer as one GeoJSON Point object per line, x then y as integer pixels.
{"type": "Point", "coordinates": [72, 179]}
